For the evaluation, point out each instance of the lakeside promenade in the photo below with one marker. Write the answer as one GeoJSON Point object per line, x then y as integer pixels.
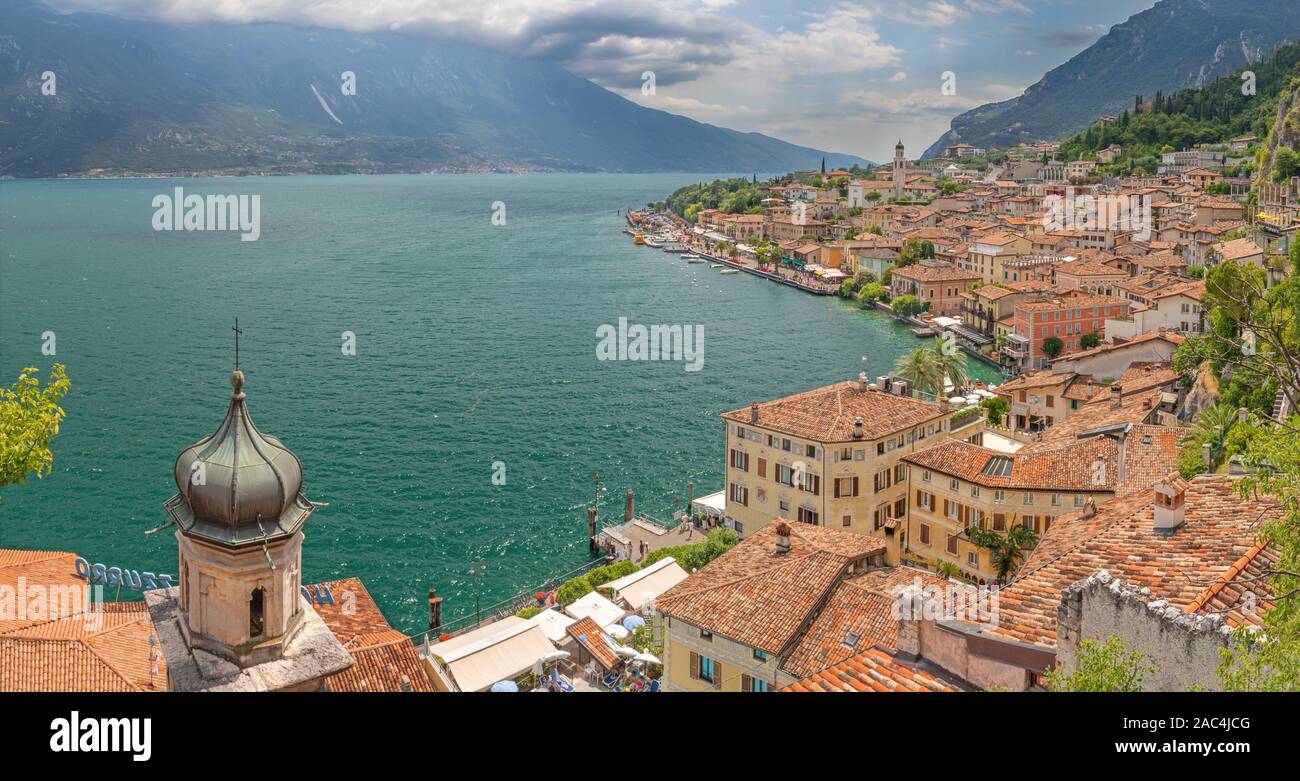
{"type": "Point", "coordinates": [693, 243]}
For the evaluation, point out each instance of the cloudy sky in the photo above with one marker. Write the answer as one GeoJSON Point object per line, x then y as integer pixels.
{"type": "Point", "coordinates": [844, 76]}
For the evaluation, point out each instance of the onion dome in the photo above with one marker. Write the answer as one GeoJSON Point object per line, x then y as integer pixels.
{"type": "Point", "coordinates": [239, 486]}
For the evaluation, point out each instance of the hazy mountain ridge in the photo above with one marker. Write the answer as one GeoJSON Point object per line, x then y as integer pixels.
{"type": "Point", "coordinates": [1174, 44]}
{"type": "Point", "coordinates": [144, 97]}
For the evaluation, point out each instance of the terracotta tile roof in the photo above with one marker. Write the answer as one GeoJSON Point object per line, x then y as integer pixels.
{"type": "Point", "coordinates": [1043, 378]}
{"type": "Point", "coordinates": [1144, 375]}
{"type": "Point", "coordinates": [923, 273]}
{"type": "Point", "coordinates": [382, 662]}
{"type": "Point", "coordinates": [591, 637]}
{"type": "Point", "coordinates": [827, 414]}
{"type": "Point", "coordinates": [1150, 452]}
{"type": "Point", "coordinates": [872, 671]}
{"type": "Point", "coordinates": [1219, 534]}
{"type": "Point", "coordinates": [353, 613]}
{"type": "Point", "coordinates": [110, 651]}
{"type": "Point", "coordinates": [67, 648]}
{"type": "Point", "coordinates": [1238, 249]}
{"type": "Point", "coordinates": [381, 655]}
{"type": "Point", "coordinates": [760, 597]}
{"type": "Point", "coordinates": [1172, 337]}
{"type": "Point", "coordinates": [858, 614]}
{"type": "Point", "coordinates": [1101, 411]}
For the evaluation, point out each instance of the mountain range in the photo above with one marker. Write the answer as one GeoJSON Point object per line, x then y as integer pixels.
{"type": "Point", "coordinates": [1173, 44]}
{"type": "Point", "coordinates": [135, 96]}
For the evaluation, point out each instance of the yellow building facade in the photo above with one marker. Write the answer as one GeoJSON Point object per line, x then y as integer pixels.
{"type": "Point", "coordinates": [831, 457]}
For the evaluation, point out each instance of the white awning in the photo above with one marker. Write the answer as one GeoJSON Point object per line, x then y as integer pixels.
{"type": "Point", "coordinates": [713, 504]}
{"type": "Point", "coordinates": [597, 608]}
{"type": "Point", "coordinates": [500, 651]}
{"type": "Point", "coordinates": [553, 623]}
{"type": "Point", "coordinates": [646, 584]}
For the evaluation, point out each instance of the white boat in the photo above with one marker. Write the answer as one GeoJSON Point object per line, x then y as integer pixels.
{"type": "Point", "coordinates": [729, 271]}
{"type": "Point", "coordinates": [715, 265]}
{"type": "Point", "coordinates": [690, 256]}
{"type": "Point", "coordinates": [696, 260]}
{"type": "Point", "coordinates": [652, 243]}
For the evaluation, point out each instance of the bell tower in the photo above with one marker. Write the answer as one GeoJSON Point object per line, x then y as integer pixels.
{"type": "Point", "coordinates": [239, 516]}
{"type": "Point", "coordinates": [900, 170]}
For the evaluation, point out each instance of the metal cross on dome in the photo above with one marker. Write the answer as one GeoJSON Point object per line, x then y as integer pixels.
{"type": "Point", "coordinates": [235, 328]}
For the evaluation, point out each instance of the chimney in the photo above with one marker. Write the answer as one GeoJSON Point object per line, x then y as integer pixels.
{"type": "Point", "coordinates": [909, 610]}
{"type": "Point", "coordinates": [627, 509]}
{"type": "Point", "coordinates": [753, 412]}
{"type": "Point", "coordinates": [862, 381]}
{"type": "Point", "coordinates": [1089, 508]}
{"type": "Point", "coordinates": [782, 537]}
{"type": "Point", "coordinates": [857, 428]}
{"type": "Point", "coordinates": [1207, 457]}
{"type": "Point", "coordinates": [1167, 509]}
{"type": "Point", "coordinates": [1116, 395]}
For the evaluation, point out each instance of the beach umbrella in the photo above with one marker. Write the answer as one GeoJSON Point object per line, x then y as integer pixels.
{"type": "Point", "coordinates": [625, 652]}
{"type": "Point", "coordinates": [616, 631]}
{"type": "Point", "coordinates": [505, 686]}
{"type": "Point", "coordinates": [555, 656]}
{"type": "Point", "coordinates": [647, 657]}
{"type": "Point", "coordinates": [633, 623]}
{"type": "Point", "coordinates": [957, 400]}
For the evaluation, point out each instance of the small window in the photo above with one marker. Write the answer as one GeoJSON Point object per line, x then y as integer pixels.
{"type": "Point", "coordinates": [706, 635]}
{"type": "Point", "coordinates": [256, 624]}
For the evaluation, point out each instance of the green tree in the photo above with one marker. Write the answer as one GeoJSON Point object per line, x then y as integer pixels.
{"type": "Point", "coordinates": [1103, 667]}
{"type": "Point", "coordinates": [1089, 341]}
{"type": "Point", "coordinates": [1006, 549]}
{"type": "Point", "coordinates": [996, 409]}
{"type": "Point", "coordinates": [870, 293]}
{"type": "Point", "coordinates": [29, 419]}
{"type": "Point", "coordinates": [907, 305]}
{"type": "Point", "coordinates": [1052, 346]}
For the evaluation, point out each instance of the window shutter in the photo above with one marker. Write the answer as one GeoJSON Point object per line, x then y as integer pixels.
{"type": "Point", "coordinates": [717, 674]}
{"type": "Point", "coordinates": [746, 683]}
{"type": "Point", "coordinates": [855, 485]}
{"type": "Point", "coordinates": [695, 665]}
{"type": "Point", "coordinates": [762, 467]}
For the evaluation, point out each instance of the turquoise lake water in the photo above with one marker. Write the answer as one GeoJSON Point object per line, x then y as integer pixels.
{"type": "Point", "coordinates": [476, 343]}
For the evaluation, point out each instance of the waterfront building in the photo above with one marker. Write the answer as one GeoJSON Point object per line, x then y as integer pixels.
{"type": "Point", "coordinates": [1066, 317]}
{"type": "Point", "coordinates": [938, 286]}
{"type": "Point", "coordinates": [830, 457]}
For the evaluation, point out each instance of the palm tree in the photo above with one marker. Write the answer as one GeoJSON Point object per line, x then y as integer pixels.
{"type": "Point", "coordinates": [1212, 427]}
{"type": "Point", "coordinates": [946, 569]}
{"type": "Point", "coordinates": [923, 370]}
{"type": "Point", "coordinates": [1007, 550]}
{"type": "Point", "coordinates": [953, 361]}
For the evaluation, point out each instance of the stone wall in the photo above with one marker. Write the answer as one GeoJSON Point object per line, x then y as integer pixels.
{"type": "Point", "coordinates": [1183, 648]}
